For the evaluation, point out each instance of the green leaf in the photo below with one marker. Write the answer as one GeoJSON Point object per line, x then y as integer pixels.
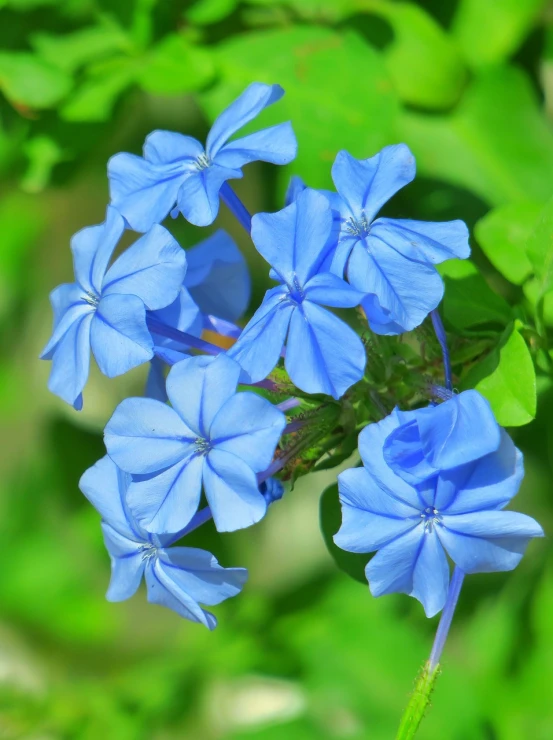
{"type": "Point", "coordinates": [175, 66]}
{"type": "Point", "coordinates": [73, 50]}
{"type": "Point", "coordinates": [507, 379]}
{"type": "Point", "coordinates": [532, 291]}
{"type": "Point", "coordinates": [204, 12]}
{"type": "Point", "coordinates": [43, 153]}
{"type": "Point", "coordinates": [539, 248]}
{"type": "Point", "coordinates": [330, 519]}
{"type": "Point", "coordinates": [468, 299]}
{"type": "Point", "coordinates": [29, 81]}
{"type": "Point", "coordinates": [332, 107]}
{"type": "Point", "coordinates": [424, 64]}
{"type": "Point", "coordinates": [497, 143]}
{"type": "Point", "coordinates": [489, 31]}
{"type": "Point", "coordinates": [95, 98]}
{"type": "Point", "coordinates": [503, 234]}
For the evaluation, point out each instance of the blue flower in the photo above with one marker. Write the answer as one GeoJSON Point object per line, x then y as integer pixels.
{"type": "Point", "coordinates": [391, 260]}
{"type": "Point", "coordinates": [426, 489]}
{"type": "Point", "coordinates": [177, 168]}
{"type": "Point", "coordinates": [323, 355]}
{"type": "Point", "coordinates": [179, 578]}
{"type": "Point", "coordinates": [212, 435]}
{"type": "Point", "coordinates": [106, 308]}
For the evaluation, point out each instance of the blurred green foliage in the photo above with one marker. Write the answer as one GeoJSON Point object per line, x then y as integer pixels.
{"type": "Point", "coordinates": [305, 652]}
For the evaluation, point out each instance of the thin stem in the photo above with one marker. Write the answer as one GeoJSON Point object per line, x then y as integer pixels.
{"type": "Point", "coordinates": [446, 618]}
{"type": "Point", "coordinates": [158, 327]}
{"type": "Point", "coordinates": [442, 339]}
{"type": "Point", "coordinates": [236, 207]}
{"type": "Point", "coordinates": [288, 404]}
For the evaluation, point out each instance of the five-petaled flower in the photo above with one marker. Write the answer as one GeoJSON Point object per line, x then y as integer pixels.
{"type": "Point", "coordinates": [323, 355]}
{"type": "Point", "coordinates": [179, 578]}
{"type": "Point", "coordinates": [211, 435]}
{"type": "Point", "coordinates": [392, 260]}
{"type": "Point", "coordinates": [434, 480]}
{"type": "Point", "coordinates": [176, 169]}
{"type": "Point", "coordinates": [106, 308]}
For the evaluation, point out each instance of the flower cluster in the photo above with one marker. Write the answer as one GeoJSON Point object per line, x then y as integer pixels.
{"type": "Point", "coordinates": [212, 423]}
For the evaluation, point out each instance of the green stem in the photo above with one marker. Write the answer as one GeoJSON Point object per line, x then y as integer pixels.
{"type": "Point", "coordinates": [420, 699]}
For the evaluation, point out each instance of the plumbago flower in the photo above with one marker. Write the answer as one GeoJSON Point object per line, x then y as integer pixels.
{"type": "Point", "coordinates": [105, 309]}
{"type": "Point", "coordinates": [390, 259]}
{"type": "Point", "coordinates": [176, 169]}
{"type": "Point", "coordinates": [212, 435]}
{"type": "Point", "coordinates": [323, 355]}
{"type": "Point", "coordinates": [433, 481]}
{"type": "Point", "coordinates": [179, 578]}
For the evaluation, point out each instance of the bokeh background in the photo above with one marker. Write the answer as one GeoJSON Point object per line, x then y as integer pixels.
{"type": "Point", "coordinates": [304, 653]}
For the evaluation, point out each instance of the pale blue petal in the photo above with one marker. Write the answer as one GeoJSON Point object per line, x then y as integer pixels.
{"type": "Point", "coordinates": [295, 241]}
{"type": "Point", "coordinates": [152, 269]}
{"type": "Point", "coordinates": [163, 590]}
{"type": "Point", "coordinates": [64, 297]}
{"type": "Point", "coordinates": [366, 184]}
{"type": "Point", "coordinates": [249, 427]}
{"type": "Point", "coordinates": [295, 187]}
{"type": "Point", "coordinates": [327, 289]}
{"type": "Point", "coordinates": [127, 565]}
{"type": "Point", "coordinates": [198, 573]}
{"type": "Point", "coordinates": [259, 346]}
{"type": "Point", "coordinates": [143, 192]}
{"type": "Point", "coordinates": [276, 144]}
{"type": "Point", "coordinates": [424, 241]}
{"type": "Point", "coordinates": [92, 248]}
{"type": "Point", "coordinates": [74, 311]}
{"type": "Point", "coordinates": [341, 254]}
{"type": "Point", "coordinates": [323, 355]}
{"type": "Point", "coordinates": [119, 337]}
{"type": "Point", "coordinates": [431, 575]}
{"type": "Point", "coordinates": [391, 569]}
{"type": "Point", "coordinates": [199, 386]}
{"type": "Point", "coordinates": [232, 492]}
{"type": "Point", "coordinates": [71, 362]}
{"type": "Point", "coordinates": [169, 147]}
{"type": "Point", "coordinates": [155, 383]}
{"type": "Point", "coordinates": [167, 501]}
{"type": "Point", "coordinates": [198, 196]}
{"type": "Point", "coordinates": [487, 541]}
{"type": "Point", "coordinates": [378, 318]}
{"type": "Point", "coordinates": [144, 436]}
{"type": "Point", "coordinates": [244, 109]}
{"type": "Point", "coordinates": [218, 278]}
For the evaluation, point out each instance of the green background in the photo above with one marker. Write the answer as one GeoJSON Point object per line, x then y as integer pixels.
{"type": "Point", "coordinates": [305, 652]}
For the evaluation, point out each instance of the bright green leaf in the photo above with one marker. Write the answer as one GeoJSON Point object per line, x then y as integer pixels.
{"type": "Point", "coordinates": [503, 233]}
{"type": "Point", "coordinates": [73, 50]}
{"type": "Point", "coordinates": [539, 248]}
{"type": "Point", "coordinates": [497, 143]}
{"type": "Point", "coordinates": [331, 106]}
{"type": "Point", "coordinates": [29, 81]}
{"type": "Point", "coordinates": [506, 377]}
{"type": "Point", "coordinates": [469, 300]}
{"type": "Point", "coordinates": [174, 67]}
{"type": "Point", "coordinates": [204, 12]}
{"type": "Point", "coordinates": [95, 98]}
{"type": "Point", "coordinates": [488, 31]}
{"type": "Point", "coordinates": [532, 291]}
{"type": "Point", "coordinates": [330, 519]}
{"type": "Point", "coordinates": [43, 153]}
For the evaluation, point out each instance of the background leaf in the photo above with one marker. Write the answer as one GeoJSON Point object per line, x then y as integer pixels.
{"type": "Point", "coordinates": [330, 516]}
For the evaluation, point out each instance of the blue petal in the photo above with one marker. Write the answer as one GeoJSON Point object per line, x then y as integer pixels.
{"type": "Point", "coordinates": [165, 502]}
{"type": "Point", "coordinates": [327, 289]}
{"type": "Point", "coordinates": [69, 308]}
{"type": "Point", "coordinates": [378, 318]}
{"type": "Point", "coordinates": [198, 196]}
{"type": "Point", "coordinates": [431, 575]}
{"type": "Point", "coordinates": [198, 573]}
{"type": "Point", "coordinates": [295, 187]}
{"type": "Point", "coordinates": [105, 486]}
{"type": "Point", "coordinates": [424, 241]}
{"type": "Point", "coordinates": [442, 437]}
{"type": "Point", "coordinates": [487, 541]}
{"type": "Point", "coordinates": [488, 483]}
{"type": "Point", "coordinates": [144, 436]}
{"type": "Point", "coordinates": [119, 337]}
{"type": "Point", "coordinates": [366, 184]}
{"type": "Point", "coordinates": [276, 144]}
{"type": "Point", "coordinates": [296, 240]}
{"type": "Point", "coordinates": [71, 362]}
{"type": "Point", "coordinates": [259, 346]}
{"type": "Point", "coordinates": [143, 192]}
{"type": "Point", "coordinates": [218, 277]}
{"type": "Point", "coordinates": [371, 442]}
{"type": "Point", "coordinates": [92, 248]}
{"type": "Point", "coordinates": [155, 383]}
{"type": "Point", "coordinates": [232, 492]}
{"type": "Point", "coordinates": [244, 109]}
{"type": "Point", "coordinates": [199, 386]}
{"type": "Point", "coordinates": [127, 564]}
{"type": "Point", "coordinates": [183, 314]}
{"type": "Point", "coordinates": [370, 517]}
{"type": "Point", "coordinates": [64, 297]}
{"type": "Point", "coordinates": [407, 290]}
{"type": "Point", "coordinates": [391, 569]}
{"type": "Point", "coordinates": [165, 591]}
{"type": "Point", "coordinates": [323, 355]}
{"type": "Point", "coordinates": [168, 147]}
{"type": "Point", "coordinates": [152, 269]}
{"type": "Point", "coordinates": [249, 427]}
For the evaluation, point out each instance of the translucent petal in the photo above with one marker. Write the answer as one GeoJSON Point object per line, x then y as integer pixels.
{"type": "Point", "coordinates": [71, 362]}
{"type": "Point", "coordinates": [169, 147]}
{"type": "Point", "coordinates": [277, 145]}
{"type": "Point", "coordinates": [92, 248]}
{"type": "Point", "coordinates": [163, 590]}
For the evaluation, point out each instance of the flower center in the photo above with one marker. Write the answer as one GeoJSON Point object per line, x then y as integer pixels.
{"type": "Point", "coordinates": [295, 291]}
{"type": "Point", "coordinates": [359, 227]}
{"type": "Point", "coordinates": [202, 162]}
{"type": "Point", "coordinates": [91, 298]}
{"type": "Point", "coordinates": [149, 551]}
{"type": "Point", "coordinates": [202, 446]}
{"type": "Point", "coordinates": [430, 516]}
